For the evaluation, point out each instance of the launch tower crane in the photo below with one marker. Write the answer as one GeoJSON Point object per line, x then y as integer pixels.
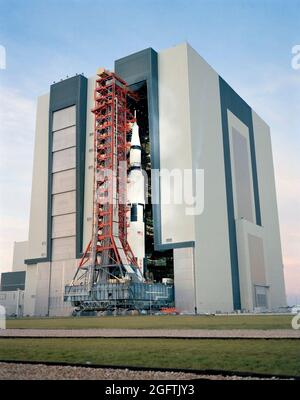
{"type": "Point", "coordinates": [108, 273]}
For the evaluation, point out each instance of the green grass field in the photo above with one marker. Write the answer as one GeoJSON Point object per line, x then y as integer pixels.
{"type": "Point", "coordinates": [157, 322]}
{"type": "Point", "coordinates": [264, 356]}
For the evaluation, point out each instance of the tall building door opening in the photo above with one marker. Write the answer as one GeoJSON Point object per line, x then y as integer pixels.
{"type": "Point", "coordinates": [157, 264]}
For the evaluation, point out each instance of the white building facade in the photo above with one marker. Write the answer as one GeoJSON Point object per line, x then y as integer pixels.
{"type": "Point", "coordinates": [226, 258]}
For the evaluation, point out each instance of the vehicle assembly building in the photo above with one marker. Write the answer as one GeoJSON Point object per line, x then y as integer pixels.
{"type": "Point", "coordinates": [103, 232]}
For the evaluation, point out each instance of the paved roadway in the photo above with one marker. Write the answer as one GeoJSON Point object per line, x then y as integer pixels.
{"type": "Point", "coordinates": [156, 333]}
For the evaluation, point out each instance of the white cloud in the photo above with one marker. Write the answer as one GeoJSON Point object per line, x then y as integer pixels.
{"type": "Point", "coordinates": [17, 119]}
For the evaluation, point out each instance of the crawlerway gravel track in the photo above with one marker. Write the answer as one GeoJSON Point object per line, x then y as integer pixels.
{"type": "Point", "coordinates": [155, 333]}
{"type": "Point", "coordinates": [15, 371]}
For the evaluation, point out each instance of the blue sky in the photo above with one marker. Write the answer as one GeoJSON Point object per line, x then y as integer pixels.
{"type": "Point", "coordinates": [249, 43]}
{"type": "Point", "coordinates": [48, 39]}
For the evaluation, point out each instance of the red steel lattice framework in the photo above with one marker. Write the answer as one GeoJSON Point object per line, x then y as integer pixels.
{"type": "Point", "coordinates": [108, 253]}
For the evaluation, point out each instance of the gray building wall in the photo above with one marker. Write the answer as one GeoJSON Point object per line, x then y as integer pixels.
{"type": "Point", "coordinates": [13, 302]}
{"type": "Point", "coordinates": [20, 253]}
{"type": "Point", "coordinates": [11, 281]}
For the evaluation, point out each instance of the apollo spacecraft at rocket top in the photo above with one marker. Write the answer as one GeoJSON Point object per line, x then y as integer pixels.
{"type": "Point", "coordinates": [136, 199]}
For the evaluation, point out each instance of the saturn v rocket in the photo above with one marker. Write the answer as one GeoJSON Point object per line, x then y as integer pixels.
{"type": "Point", "coordinates": [136, 199]}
